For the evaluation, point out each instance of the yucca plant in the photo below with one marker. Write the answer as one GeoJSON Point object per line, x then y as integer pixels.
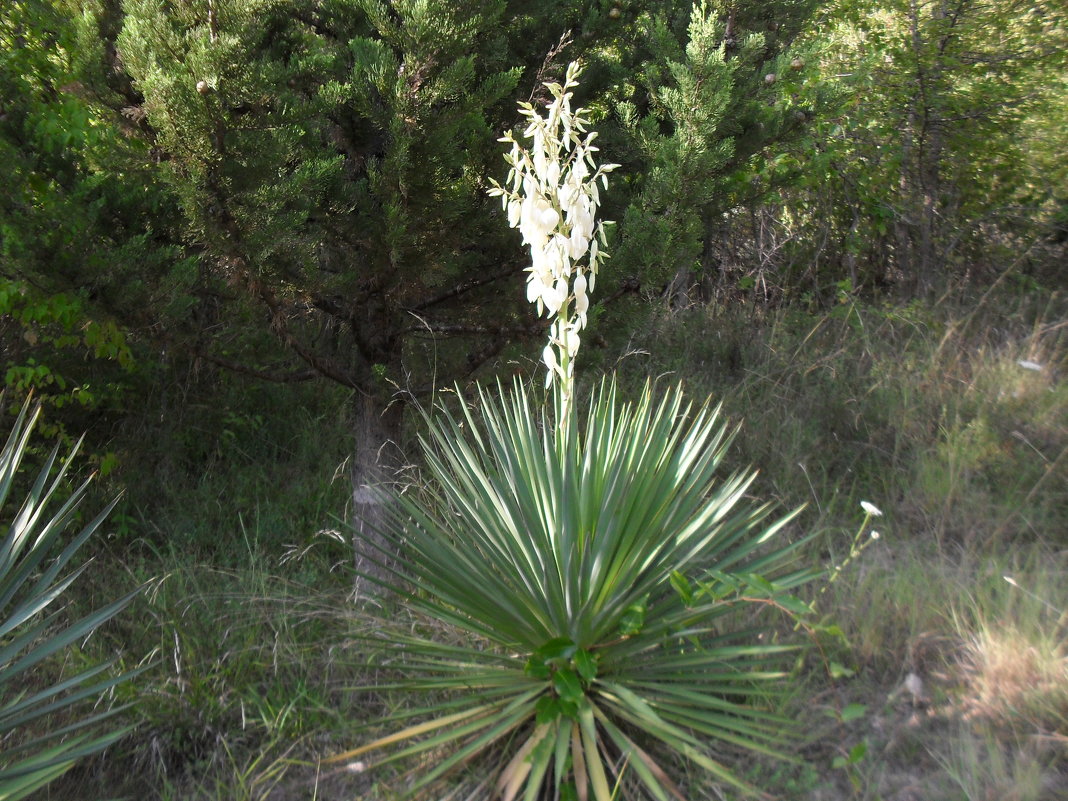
{"type": "Point", "coordinates": [42, 731]}
{"type": "Point", "coordinates": [604, 572]}
{"type": "Point", "coordinates": [600, 573]}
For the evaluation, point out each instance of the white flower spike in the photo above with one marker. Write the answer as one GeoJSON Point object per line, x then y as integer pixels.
{"type": "Point", "coordinates": [552, 198]}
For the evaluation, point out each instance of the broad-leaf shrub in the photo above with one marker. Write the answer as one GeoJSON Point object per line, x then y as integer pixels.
{"type": "Point", "coordinates": [598, 570]}
{"type": "Point", "coordinates": [42, 731]}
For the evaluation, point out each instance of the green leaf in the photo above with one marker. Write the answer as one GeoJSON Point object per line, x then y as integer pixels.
{"type": "Point", "coordinates": [536, 669]}
{"type": "Point", "coordinates": [856, 754]}
{"type": "Point", "coordinates": [547, 709]}
{"type": "Point", "coordinates": [682, 587]}
{"type": "Point", "coordinates": [586, 665]}
{"type": "Point", "coordinates": [633, 618]}
{"type": "Point", "coordinates": [567, 685]}
{"type": "Point", "coordinates": [832, 631]}
{"type": "Point", "coordinates": [853, 712]}
{"type": "Point", "coordinates": [558, 649]}
{"type": "Point", "coordinates": [762, 586]}
{"type": "Point", "coordinates": [569, 708]}
{"type": "Point", "coordinates": [794, 605]}
{"type": "Point", "coordinates": [725, 585]}
{"type": "Point", "coordinates": [839, 671]}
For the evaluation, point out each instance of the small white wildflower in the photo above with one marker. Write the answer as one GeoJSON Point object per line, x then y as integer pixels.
{"type": "Point", "coordinates": [871, 509]}
{"type": "Point", "coordinates": [875, 535]}
{"type": "Point", "coordinates": [1027, 364]}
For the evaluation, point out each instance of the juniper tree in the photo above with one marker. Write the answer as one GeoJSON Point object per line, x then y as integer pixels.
{"type": "Point", "coordinates": [952, 90]}
{"type": "Point", "coordinates": [721, 91]}
{"type": "Point", "coordinates": [326, 158]}
{"type": "Point", "coordinates": [311, 170]}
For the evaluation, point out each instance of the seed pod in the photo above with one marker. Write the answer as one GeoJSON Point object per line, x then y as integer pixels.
{"type": "Point", "coordinates": [202, 87]}
{"type": "Point", "coordinates": [615, 13]}
{"type": "Point", "coordinates": [797, 64]}
{"type": "Point", "coordinates": [770, 78]}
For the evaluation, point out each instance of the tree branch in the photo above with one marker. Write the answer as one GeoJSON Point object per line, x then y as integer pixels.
{"type": "Point", "coordinates": [465, 329]}
{"type": "Point", "coordinates": [274, 376]}
{"type": "Point", "coordinates": [466, 286]}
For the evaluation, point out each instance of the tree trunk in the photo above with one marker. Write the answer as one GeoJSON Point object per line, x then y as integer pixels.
{"type": "Point", "coordinates": [376, 464]}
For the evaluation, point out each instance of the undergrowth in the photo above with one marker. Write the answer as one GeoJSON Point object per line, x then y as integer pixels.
{"type": "Point", "coordinates": [949, 679]}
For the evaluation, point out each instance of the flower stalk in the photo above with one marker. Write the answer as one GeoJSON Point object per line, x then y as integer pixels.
{"type": "Point", "coordinates": [552, 197]}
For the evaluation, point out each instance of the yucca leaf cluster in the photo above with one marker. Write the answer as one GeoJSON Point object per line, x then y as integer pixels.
{"type": "Point", "coordinates": [43, 730]}
{"type": "Point", "coordinates": [596, 573]}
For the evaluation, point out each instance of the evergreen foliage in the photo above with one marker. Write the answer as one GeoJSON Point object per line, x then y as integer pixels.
{"type": "Point", "coordinates": [328, 162]}
{"type": "Point", "coordinates": [928, 172]}
{"type": "Point", "coordinates": [718, 106]}
{"type": "Point", "coordinates": [321, 167]}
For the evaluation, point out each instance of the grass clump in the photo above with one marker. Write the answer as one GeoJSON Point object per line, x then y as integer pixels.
{"type": "Point", "coordinates": [250, 684]}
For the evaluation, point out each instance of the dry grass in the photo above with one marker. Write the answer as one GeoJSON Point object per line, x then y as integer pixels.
{"type": "Point", "coordinates": [1016, 679]}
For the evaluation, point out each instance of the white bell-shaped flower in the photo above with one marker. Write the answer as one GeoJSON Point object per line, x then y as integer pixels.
{"type": "Point", "coordinates": [537, 220]}
{"type": "Point", "coordinates": [572, 342]}
{"type": "Point", "coordinates": [577, 244]}
{"type": "Point", "coordinates": [548, 218]}
{"type": "Point", "coordinates": [582, 300]}
{"type": "Point", "coordinates": [540, 162]}
{"type": "Point", "coordinates": [549, 357]}
{"type": "Point", "coordinates": [555, 296]}
{"type": "Point", "coordinates": [552, 176]}
{"type": "Point", "coordinates": [569, 195]}
{"type": "Point", "coordinates": [535, 289]}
